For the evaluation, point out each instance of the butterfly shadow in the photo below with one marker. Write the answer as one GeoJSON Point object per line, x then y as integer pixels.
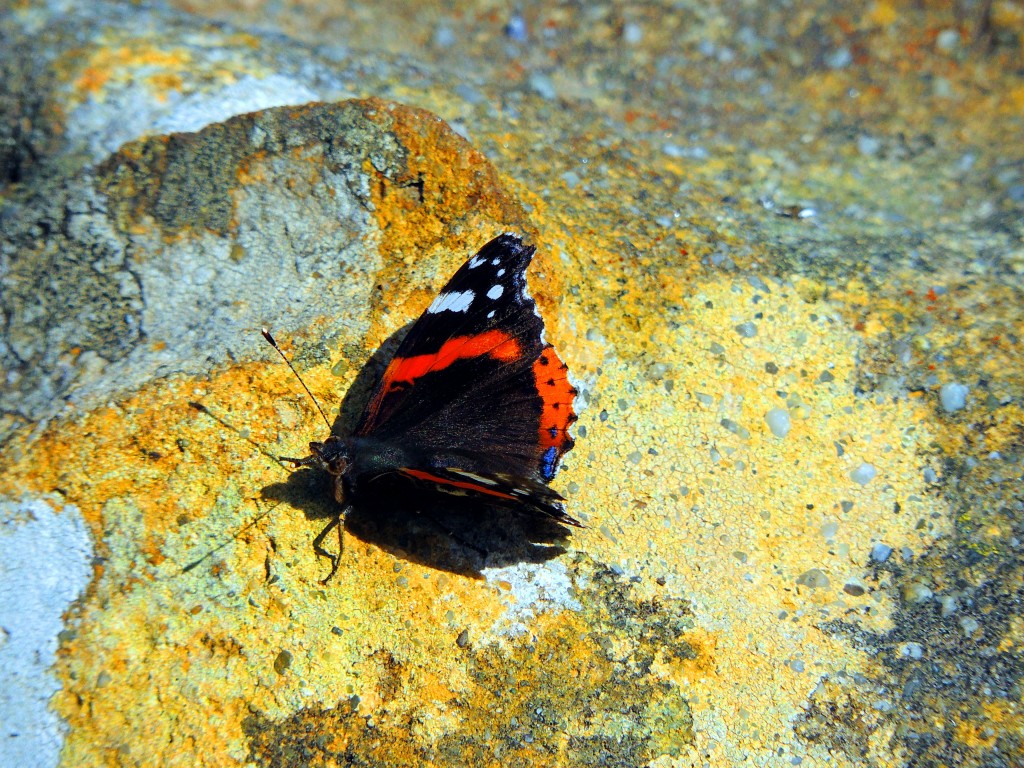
{"type": "Point", "coordinates": [460, 535]}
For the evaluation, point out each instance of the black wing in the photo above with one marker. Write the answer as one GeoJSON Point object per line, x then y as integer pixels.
{"type": "Point", "coordinates": [473, 385]}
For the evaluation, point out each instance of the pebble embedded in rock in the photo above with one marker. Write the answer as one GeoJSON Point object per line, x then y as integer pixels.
{"type": "Point", "coordinates": [815, 578]}
{"type": "Point", "coordinates": [778, 421]}
{"type": "Point", "coordinates": [282, 662]}
{"type": "Point", "coordinates": [880, 552]}
{"type": "Point", "coordinates": [916, 592]}
{"type": "Point", "coordinates": [911, 651]}
{"type": "Point", "coordinates": [864, 474]}
{"type": "Point", "coordinates": [632, 33]}
{"type": "Point", "coordinates": [516, 29]}
{"type": "Point", "coordinates": [868, 145]}
{"type": "Point", "coordinates": [541, 85]}
{"type": "Point", "coordinates": [969, 625]}
{"type": "Point", "coordinates": [953, 397]}
{"type": "Point", "coordinates": [948, 605]}
{"type": "Point", "coordinates": [747, 330]}
{"type": "Point", "coordinates": [735, 428]}
{"type": "Point", "coordinates": [948, 40]}
{"type": "Point", "coordinates": [444, 37]}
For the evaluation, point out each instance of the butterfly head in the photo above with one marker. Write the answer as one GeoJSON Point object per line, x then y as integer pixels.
{"type": "Point", "coordinates": [331, 455]}
{"type": "Point", "coordinates": [334, 456]}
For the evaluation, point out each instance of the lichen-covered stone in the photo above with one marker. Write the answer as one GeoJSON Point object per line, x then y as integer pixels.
{"type": "Point", "coordinates": [838, 181]}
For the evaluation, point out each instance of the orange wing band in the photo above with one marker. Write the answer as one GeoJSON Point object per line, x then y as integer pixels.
{"type": "Point", "coordinates": [557, 395]}
{"type": "Point", "coordinates": [494, 343]}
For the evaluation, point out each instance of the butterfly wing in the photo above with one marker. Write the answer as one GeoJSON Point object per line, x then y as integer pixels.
{"type": "Point", "coordinates": [501, 487]}
{"type": "Point", "coordinates": [474, 387]}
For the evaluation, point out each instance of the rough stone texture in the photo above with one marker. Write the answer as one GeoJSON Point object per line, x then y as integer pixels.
{"type": "Point", "coordinates": [156, 259]}
{"type": "Point", "coordinates": [737, 209]}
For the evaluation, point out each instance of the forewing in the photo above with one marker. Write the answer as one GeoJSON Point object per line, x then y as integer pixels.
{"type": "Point", "coordinates": [474, 379]}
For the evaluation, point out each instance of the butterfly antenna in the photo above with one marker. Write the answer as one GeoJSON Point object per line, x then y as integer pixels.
{"type": "Point", "coordinates": [271, 342]}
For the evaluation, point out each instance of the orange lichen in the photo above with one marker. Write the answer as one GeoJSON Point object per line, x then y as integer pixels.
{"type": "Point", "coordinates": [120, 63]}
{"type": "Point", "coordinates": [446, 194]}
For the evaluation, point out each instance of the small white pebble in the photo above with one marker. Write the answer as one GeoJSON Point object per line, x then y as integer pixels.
{"type": "Point", "coordinates": [541, 85]}
{"type": "Point", "coordinates": [948, 40]}
{"type": "Point", "coordinates": [444, 37]}
{"type": "Point", "coordinates": [949, 606]}
{"type": "Point", "coordinates": [747, 330]}
{"type": "Point", "coordinates": [953, 397]}
{"type": "Point", "coordinates": [632, 33]}
{"type": "Point", "coordinates": [880, 552]}
{"type": "Point", "coordinates": [868, 145]}
{"type": "Point", "coordinates": [969, 625]}
{"type": "Point", "coordinates": [778, 421]}
{"type": "Point", "coordinates": [911, 650]}
{"type": "Point", "coordinates": [864, 474]}
{"type": "Point", "coordinates": [916, 592]}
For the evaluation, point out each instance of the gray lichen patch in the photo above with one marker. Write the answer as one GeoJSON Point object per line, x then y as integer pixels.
{"type": "Point", "coordinates": [71, 301]}
{"type": "Point", "coordinates": [169, 263]}
{"type": "Point", "coordinates": [173, 255]}
{"type": "Point", "coordinates": [190, 180]}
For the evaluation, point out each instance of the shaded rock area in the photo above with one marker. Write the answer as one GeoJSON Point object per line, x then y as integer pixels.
{"type": "Point", "coordinates": [781, 250]}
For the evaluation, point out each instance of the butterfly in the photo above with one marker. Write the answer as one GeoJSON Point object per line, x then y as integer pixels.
{"type": "Point", "coordinates": [475, 402]}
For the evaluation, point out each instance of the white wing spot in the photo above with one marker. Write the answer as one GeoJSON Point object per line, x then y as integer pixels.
{"type": "Point", "coordinates": [475, 262]}
{"type": "Point", "coordinates": [471, 476]}
{"type": "Point", "coordinates": [496, 262]}
{"type": "Point", "coordinates": [490, 314]}
{"type": "Point", "coordinates": [455, 301]}
{"type": "Point", "coordinates": [496, 291]}
{"type": "Point", "coordinates": [501, 272]}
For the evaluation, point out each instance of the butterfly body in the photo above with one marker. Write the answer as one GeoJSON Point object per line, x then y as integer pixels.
{"type": "Point", "coordinates": [474, 403]}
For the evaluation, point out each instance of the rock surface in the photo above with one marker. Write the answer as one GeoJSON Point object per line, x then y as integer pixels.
{"type": "Point", "coordinates": [738, 212]}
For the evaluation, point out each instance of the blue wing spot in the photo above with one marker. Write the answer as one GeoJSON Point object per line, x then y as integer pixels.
{"type": "Point", "coordinates": [553, 432]}
{"type": "Point", "coordinates": [547, 463]}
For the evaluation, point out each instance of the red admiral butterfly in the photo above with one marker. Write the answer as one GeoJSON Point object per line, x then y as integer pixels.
{"type": "Point", "coordinates": [475, 401]}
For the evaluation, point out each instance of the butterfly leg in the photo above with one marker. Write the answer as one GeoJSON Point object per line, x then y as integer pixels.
{"type": "Point", "coordinates": [336, 522]}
